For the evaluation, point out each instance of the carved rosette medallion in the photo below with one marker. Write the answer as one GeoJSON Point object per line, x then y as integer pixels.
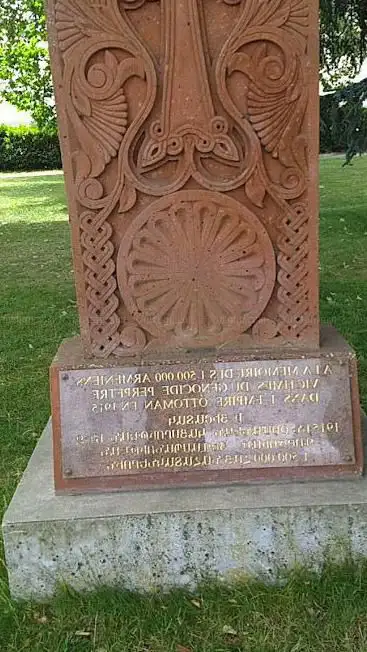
{"type": "Point", "coordinates": [196, 266]}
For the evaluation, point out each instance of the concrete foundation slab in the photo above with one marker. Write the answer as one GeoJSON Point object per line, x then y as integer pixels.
{"type": "Point", "coordinates": [174, 537]}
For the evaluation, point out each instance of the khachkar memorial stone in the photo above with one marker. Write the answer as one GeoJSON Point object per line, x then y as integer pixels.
{"type": "Point", "coordinates": [189, 133]}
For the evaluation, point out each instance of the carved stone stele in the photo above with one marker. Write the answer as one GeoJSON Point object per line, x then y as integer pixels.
{"type": "Point", "coordinates": [189, 134]}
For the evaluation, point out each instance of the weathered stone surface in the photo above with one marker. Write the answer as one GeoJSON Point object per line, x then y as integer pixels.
{"type": "Point", "coordinates": [170, 538]}
{"type": "Point", "coordinates": [189, 133]}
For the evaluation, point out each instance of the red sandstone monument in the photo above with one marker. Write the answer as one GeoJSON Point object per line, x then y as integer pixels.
{"type": "Point", "coordinates": [189, 134]}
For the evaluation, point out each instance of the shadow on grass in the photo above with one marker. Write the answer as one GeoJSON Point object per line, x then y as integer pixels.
{"type": "Point", "coordinates": [37, 296]}
{"type": "Point", "coordinates": [40, 193]}
{"type": "Point", "coordinates": [307, 612]}
{"type": "Point", "coordinates": [27, 183]}
{"type": "Point", "coordinates": [37, 252]}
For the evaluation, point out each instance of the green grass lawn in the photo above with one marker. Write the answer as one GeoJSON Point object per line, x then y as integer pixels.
{"type": "Point", "coordinates": [38, 311]}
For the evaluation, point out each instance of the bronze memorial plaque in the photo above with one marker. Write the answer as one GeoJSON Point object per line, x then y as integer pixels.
{"type": "Point", "coordinates": [189, 136]}
{"type": "Point", "coordinates": [207, 422]}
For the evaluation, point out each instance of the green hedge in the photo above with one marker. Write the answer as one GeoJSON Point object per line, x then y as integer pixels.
{"type": "Point", "coordinates": [28, 148]}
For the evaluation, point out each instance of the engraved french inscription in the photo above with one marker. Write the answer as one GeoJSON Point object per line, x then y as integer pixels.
{"type": "Point", "coordinates": [212, 416]}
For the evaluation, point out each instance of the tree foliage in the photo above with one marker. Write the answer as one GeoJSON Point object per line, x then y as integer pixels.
{"type": "Point", "coordinates": [25, 70]}
{"type": "Point", "coordinates": [343, 40]}
{"type": "Point", "coordinates": [24, 61]}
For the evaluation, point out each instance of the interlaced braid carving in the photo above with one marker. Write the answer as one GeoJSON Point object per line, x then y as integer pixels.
{"type": "Point", "coordinates": [293, 292]}
{"type": "Point", "coordinates": [137, 129]}
{"type": "Point", "coordinates": [101, 283]}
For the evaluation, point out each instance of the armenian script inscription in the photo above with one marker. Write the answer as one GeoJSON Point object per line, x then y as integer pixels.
{"type": "Point", "coordinates": [189, 138]}
{"type": "Point", "coordinates": [186, 418]}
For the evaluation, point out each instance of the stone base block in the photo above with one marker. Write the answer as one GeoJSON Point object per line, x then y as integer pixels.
{"type": "Point", "coordinates": [174, 537]}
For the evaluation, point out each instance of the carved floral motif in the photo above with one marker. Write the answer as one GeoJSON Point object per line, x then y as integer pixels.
{"type": "Point", "coordinates": [198, 266]}
{"type": "Point", "coordinates": [228, 119]}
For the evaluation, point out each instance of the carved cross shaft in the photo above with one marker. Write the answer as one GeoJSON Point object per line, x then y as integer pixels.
{"type": "Point", "coordinates": [186, 86]}
{"type": "Point", "coordinates": [188, 121]}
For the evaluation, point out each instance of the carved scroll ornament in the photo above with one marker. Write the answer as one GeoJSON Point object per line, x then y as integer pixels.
{"type": "Point", "coordinates": [212, 127]}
